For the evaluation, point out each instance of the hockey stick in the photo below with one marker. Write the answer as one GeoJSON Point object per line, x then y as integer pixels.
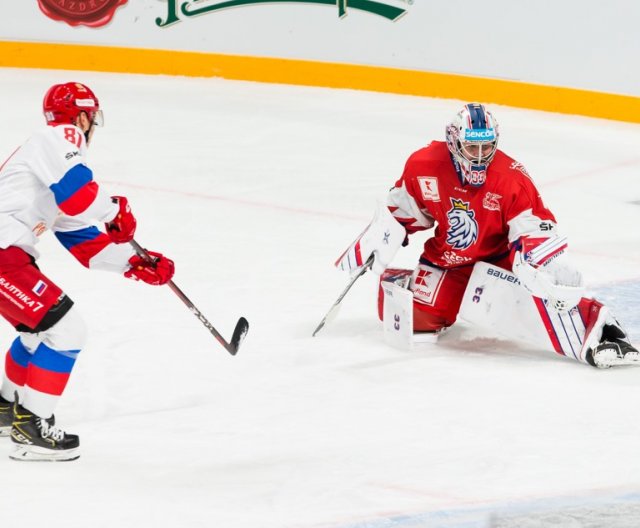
{"type": "Point", "coordinates": [242, 326]}
{"type": "Point", "coordinates": [333, 311]}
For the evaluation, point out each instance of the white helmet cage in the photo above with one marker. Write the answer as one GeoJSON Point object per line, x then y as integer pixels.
{"type": "Point", "coordinates": [472, 138]}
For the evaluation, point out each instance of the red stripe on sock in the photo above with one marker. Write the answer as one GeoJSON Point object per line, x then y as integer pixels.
{"type": "Point", "coordinates": [16, 373]}
{"type": "Point", "coordinates": [46, 381]}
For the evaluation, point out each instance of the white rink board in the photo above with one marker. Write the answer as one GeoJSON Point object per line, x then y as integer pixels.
{"type": "Point", "coordinates": [585, 44]}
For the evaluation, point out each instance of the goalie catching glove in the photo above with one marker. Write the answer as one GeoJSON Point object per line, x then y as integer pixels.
{"type": "Point", "coordinates": [155, 271]}
{"type": "Point", "coordinates": [382, 238]}
{"type": "Point", "coordinates": [543, 269]}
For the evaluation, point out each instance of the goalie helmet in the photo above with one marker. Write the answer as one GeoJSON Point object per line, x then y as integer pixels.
{"type": "Point", "coordinates": [472, 138]}
{"type": "Point", "coordinates": [63, 103]}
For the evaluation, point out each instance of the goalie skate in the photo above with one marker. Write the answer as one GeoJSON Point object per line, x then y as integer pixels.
{"type": "Point", "coordinates": [614, 348]}
{"type": "Point", "coordinates": [609, 354]}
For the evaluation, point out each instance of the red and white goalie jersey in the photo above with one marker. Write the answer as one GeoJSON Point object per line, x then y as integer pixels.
{"type": "Point", "coordinates": [46, 184]}
{"type": "Point", "coordinates": [472, 223]}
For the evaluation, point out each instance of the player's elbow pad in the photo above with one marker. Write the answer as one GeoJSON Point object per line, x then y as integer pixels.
{"type": "Point", "coordinates": [382, 238]}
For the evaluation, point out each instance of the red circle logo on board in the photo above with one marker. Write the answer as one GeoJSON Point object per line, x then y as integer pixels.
{"type": "Point", "coordinates": [92, 13]}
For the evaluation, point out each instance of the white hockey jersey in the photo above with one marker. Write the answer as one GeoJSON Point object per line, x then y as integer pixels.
{"type": "Point", "coordinates": [46, 185]}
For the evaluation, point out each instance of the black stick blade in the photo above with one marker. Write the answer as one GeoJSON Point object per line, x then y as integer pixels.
{"type": "Point", "coordinates": [240, 332]}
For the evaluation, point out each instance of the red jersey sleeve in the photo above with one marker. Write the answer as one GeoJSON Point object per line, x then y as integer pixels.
{"type": "Point", "coordinates": [405, 200]}
{"type": "Point", "coordinates": [526, 214]}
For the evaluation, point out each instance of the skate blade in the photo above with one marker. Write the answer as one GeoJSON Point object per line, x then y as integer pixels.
{"type": "Point", "coordinates": [26, 453]}
{"type": "Point", "coordinates": [5, 431]}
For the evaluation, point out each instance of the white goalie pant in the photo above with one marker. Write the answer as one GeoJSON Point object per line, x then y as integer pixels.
{"type": "Point", "coordinates": [495, 300]}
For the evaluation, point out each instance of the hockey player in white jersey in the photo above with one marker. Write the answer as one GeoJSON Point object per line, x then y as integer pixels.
{"type": "Point", "coordinates": [46, 184]}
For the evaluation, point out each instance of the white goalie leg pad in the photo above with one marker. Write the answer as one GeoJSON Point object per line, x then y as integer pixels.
{"type": "Point", "coordinates": [397, 317]}
{"type": "Point", "coordinates": [382, 237]}
{"type": "Point", "coordinates": [494, 299]}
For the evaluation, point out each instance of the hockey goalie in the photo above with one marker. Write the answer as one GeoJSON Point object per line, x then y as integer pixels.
{"type": "Point", "coordinates": [496, 258]}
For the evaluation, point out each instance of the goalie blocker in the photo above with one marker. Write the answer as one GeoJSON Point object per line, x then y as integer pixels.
{"type": "Point", "coordinates": [494, 299]}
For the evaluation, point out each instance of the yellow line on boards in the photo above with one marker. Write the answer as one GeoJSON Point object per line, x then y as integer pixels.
{"type": "Point", "coordinates": [322, 74]}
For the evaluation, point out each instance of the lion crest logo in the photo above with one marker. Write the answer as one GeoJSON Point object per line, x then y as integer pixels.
{"type": "Point", "coordinates": [463, 228]}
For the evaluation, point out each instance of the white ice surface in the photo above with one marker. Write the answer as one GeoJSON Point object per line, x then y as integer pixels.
{"type": "Point", "coordinates": [254, 190]}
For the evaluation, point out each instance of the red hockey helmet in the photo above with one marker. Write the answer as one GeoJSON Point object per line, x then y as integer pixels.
{"type": "Point", "coordinates": [64, 102]}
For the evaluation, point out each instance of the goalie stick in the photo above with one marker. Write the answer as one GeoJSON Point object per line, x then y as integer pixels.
{"type": "Point", "coordinates": [242, 326]}
{"type": "Point", "coordinates": [333, 311]}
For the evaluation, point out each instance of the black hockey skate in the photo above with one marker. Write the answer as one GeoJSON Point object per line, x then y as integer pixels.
{"type": "Point", "coordinates": [614, 349]}
{"type": "Point", "coordinates": [6, 416]}
{"type": "Point", "coordinates": [35, 438]}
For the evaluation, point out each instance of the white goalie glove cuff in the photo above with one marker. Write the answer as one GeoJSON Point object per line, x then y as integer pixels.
{"type": "Point", "coordinates": [557, 281]}
{"type": "Point", "coordinates": [382, 238]}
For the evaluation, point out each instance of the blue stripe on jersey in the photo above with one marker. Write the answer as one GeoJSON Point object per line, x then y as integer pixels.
{"type": "Point", "coordinates": [19, 353]}
{"type": "Point", "coordinates": [53, 360]}
{"type": "Point", "coordinates": [478, 118]}
{"type": "Point", "coordinates": [70, 239]}
{"type": "Point", "coordinates": [75, 178]}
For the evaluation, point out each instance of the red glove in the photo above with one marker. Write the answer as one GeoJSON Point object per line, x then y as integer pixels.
{"type": "Point", "coordinates": [123, 226]}
{"type": "Point", "coordinates": [157, 271]}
